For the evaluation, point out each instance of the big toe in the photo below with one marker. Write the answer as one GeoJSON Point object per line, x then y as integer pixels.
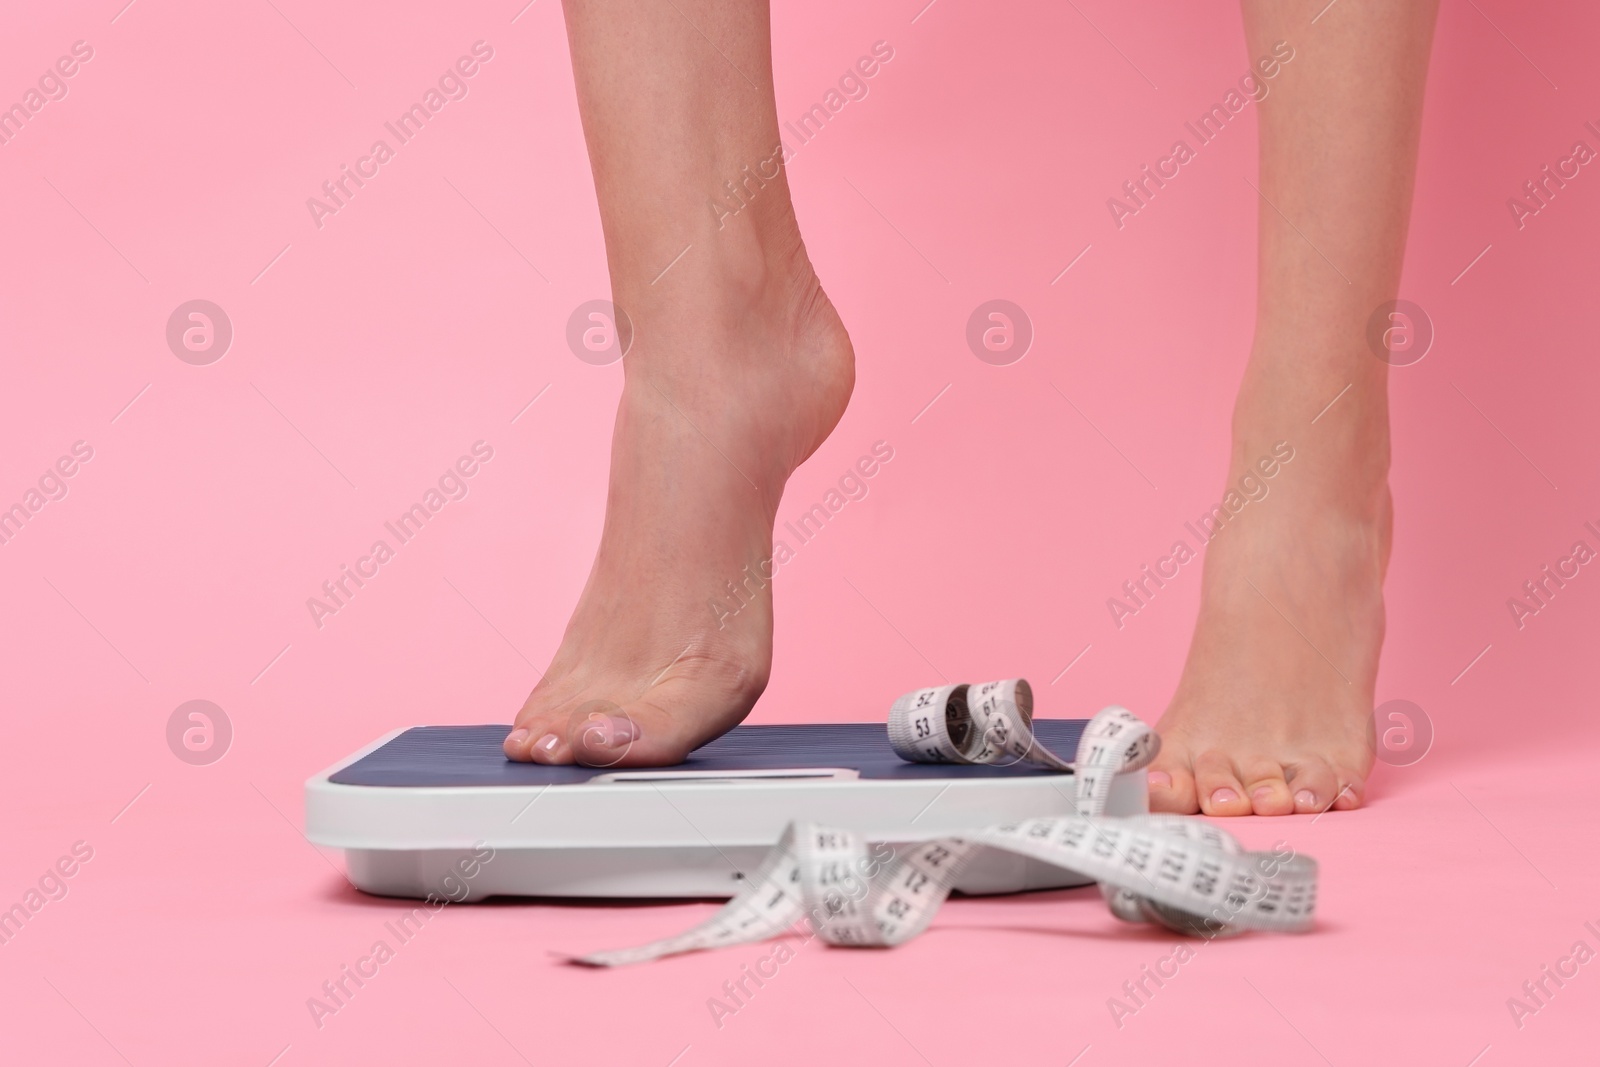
{"type": "Point", "coordinates": [1172, 783]}
{"type": "Point", "coordinates": [661, 728]}
{"type": "Point", "coordinates": [640, 734]}
{"type": "Point", "coordinates": [1218, 786]}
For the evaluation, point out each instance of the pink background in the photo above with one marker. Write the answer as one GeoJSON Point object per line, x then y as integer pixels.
{"type": "Point", "coordinates": [406, 328]}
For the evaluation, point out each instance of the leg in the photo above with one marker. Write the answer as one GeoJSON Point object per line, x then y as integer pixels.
{"type": "Point", "coordinates": [1273, 713]}
{"type": "Point", "coordinates": [738, 370]}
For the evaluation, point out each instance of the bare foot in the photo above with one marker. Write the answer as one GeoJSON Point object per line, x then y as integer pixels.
{"type": "Point", "coordinates": [1273, 713]}
{"type": "Point", "coordinates": [739, 369]}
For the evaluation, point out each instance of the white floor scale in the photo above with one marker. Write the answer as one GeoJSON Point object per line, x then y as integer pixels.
{"type": "Point", "coordinates": [411, 808]}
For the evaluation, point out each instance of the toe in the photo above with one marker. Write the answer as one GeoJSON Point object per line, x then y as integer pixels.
{"type": "Point", "coordinates": [1218, 787]}
{"type": "Point", "coordinates": [602, 734]}
{"type": "Point", "coordinates": [537, 742]}
{"type": "Point", "coordinates": [1351, 793]}
{"type": "Point", "coordinates": [658, 730]}
{"type": "Point", "coordinates": [1172, 784]}
{"type": "Point", "coordinates": [1264, 784]}
{"type": "Point", "coordinates": [539, 734]}
{"type": "Point", "coordinates": [516, 744]}
{"type": "Point", "coordinates": [549, 748]}
{"type": "Point", "coordinates": [1313, 784]}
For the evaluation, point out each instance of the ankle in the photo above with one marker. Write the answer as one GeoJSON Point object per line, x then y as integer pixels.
{"type": "Point", "coordinates": [1329, 406]}
{"type": "Point", "coordinates": [743, 261]}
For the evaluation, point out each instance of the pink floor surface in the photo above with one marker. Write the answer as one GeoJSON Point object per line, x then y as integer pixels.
{"type": "Point", "coordinates": [203, 924]}
{"type": "Point", "coordinates": [430, 312]}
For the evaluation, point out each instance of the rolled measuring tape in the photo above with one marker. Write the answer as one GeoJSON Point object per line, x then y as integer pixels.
{"type": "Point", "coordinates": [1171, 870]}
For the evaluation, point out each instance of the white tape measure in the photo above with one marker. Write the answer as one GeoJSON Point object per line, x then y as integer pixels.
{"type": "Point", "coordinates": [1179, 872]}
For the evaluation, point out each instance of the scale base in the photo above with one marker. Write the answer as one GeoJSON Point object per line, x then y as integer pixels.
{"type": "Point", "coordinates": [632, 873]}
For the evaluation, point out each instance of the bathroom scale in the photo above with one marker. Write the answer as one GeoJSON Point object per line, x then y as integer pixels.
{"type": "Point", "coordinates": [419, 806]}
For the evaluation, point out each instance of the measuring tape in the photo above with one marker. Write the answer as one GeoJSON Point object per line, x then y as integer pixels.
{"type": "Point", "coordinates": [1177, 872]}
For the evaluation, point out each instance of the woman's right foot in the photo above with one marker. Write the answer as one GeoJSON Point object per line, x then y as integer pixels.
{"type": "Point", "coordinates": [739, 369]}
{"type": "Point", "coordinates": [1273, 713]}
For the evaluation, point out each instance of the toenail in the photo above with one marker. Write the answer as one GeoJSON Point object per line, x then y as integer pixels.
{"type": "Point", "coordinates": [547, 744]}
{"type": "Point", "coordinates": [1160, 779]}
{"type": "Point", "coordinates": [1262, 792]}
{"type": "Point", "coordinates": [516, 737]}
{"type": "Point", "coordinates": [1223, 796]}
{"type": "Point", "coordinates": [1306, 798]}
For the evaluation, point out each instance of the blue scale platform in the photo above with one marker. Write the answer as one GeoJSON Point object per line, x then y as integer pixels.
{"type": "Point", "coordinates": [472, 756]}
